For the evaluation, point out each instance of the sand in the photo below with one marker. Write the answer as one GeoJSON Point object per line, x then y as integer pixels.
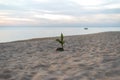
{"type": "Point", "coordinates": [86, 57]}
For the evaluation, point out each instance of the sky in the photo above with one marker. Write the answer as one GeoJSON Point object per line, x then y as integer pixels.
{"type": "Point", "coordinates": [60, 13]}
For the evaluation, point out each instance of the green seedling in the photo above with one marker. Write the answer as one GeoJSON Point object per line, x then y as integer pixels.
{"type": "Point", "coordinates": [62, 42]}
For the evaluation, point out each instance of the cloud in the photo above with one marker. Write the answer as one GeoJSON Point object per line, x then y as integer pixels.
{"type": "Point", "coordinates": [41, 1]}
{"type": "Point", "coordinates": [42, 12]}
{"type": "Point", "coordinates": [54, 17]}
{"type": "Point", "coordinates": [98, 18]}
{"type": "Point", "coordinates": [89, 2]}
{"type": "Point", "coordinates": [112, 6]}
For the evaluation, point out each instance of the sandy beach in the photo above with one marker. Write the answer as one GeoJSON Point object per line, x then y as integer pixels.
{"type": "Point", "coordinates": [86, 57]}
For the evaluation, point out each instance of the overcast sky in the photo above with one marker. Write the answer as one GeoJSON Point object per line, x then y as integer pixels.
{"type": "Point", "coordinates": [60, 13]}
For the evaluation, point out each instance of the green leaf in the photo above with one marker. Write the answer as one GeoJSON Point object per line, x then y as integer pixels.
{"type": "Point", "coordinates": [61, 40]}
{"type": "Point", "coordinates": [58, 40]}
{"type": "Point", "coordinates": [62, 36]}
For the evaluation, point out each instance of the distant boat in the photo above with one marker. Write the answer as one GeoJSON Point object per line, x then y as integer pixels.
{"type": "Point", "coordinates": [85, 28]}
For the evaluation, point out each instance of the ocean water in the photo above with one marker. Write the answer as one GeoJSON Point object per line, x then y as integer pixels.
{"type": "Point", "coordinates": [8, 34]}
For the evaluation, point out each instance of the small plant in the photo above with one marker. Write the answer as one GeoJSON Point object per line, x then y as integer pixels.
{"type": "Point", "coordinates": [62, 42]}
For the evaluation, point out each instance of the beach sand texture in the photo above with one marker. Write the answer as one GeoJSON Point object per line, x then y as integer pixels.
{"type": "Point", "coordinates": [86, 57]}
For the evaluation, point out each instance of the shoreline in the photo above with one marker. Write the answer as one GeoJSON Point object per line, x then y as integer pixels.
{"type": "Point", "coordinates": [42, 38]}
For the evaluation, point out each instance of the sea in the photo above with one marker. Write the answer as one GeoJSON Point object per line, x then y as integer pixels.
{"type": "Point", "coordinates": [9, 34]}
